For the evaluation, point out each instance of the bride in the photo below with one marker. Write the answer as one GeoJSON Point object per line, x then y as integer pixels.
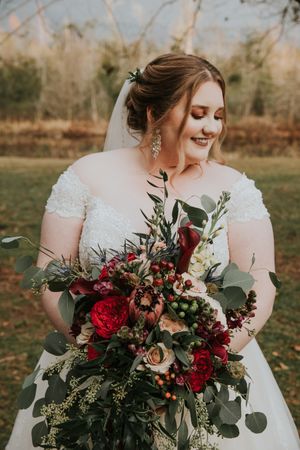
{"type": "Point", "coordinates": [176, 110]}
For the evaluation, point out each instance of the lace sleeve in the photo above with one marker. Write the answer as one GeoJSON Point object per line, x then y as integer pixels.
{"type": "Point", "coordinates": [69, 196]}
{"type": "Point", "coordinates": [246, 202]}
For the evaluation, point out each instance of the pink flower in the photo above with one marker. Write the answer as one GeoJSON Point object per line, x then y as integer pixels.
{"type": "Point", "coordinates": [145, 300]}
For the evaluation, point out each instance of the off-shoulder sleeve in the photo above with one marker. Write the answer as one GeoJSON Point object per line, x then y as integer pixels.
{"type": "Point", "coordinates": [69, 196]}
{"type": "Point", "coordinates": [245, 202]}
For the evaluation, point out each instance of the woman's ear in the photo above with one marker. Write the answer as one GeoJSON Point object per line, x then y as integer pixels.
{"type": "Point", "coordinates": [150, 119]}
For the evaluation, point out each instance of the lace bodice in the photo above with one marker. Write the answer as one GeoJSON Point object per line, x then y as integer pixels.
{"type": "Point", "coordinates": [104, 226]}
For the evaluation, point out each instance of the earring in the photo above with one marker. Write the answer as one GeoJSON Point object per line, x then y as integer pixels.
{"type": "Point", "coordinates": [156, 143]}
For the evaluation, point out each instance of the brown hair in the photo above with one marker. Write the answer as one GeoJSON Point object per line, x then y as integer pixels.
{"type": "Point", "coordinates": [162, 84]}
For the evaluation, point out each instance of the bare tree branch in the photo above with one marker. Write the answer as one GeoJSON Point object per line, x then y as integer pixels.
{"type": "Point", "coordinates": [116, 25]}
{"type": "Point", "coordinates": [27, 20]}
{"type": "Point", "coordinates": [11, 11]}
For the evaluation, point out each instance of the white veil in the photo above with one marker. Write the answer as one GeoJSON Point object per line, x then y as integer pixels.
{"type": "Point", "coordinates": [117, 135]}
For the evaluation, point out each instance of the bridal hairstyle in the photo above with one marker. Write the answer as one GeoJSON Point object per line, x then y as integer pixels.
{"type": "Point", "coordinates": [161, 85]}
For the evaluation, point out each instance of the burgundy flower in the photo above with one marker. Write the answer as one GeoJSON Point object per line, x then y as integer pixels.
{"type": "Point", "coordinates": [109, 315]}
{"type": "Point", "coordinates": [145, 300]}
{"type": "Point", "coordinates": [82, 286]}
{"type": "Point", "coordinates": [201, 371]}
{"type": "Point", "coordinates": [104, 288]}
{"type": "Point", "coordinates": [188, 241]}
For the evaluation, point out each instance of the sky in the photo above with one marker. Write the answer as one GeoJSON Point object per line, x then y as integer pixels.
{"type": "Point", "coordinates": [220, 23]}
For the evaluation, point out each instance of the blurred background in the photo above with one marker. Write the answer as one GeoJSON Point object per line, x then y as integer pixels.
{"type": "Point", "coordinates": [62, 63]}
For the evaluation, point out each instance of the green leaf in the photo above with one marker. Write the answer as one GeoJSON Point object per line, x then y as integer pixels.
{"type": "Point", "coordinates": [230, 412]}
{"type": "Point", "coordinates": [223, 394]}
{"type": "Point", "coordinates": [136, 362]}
{"type": "Point", "coordinates": [11, 241]}
{"type": "Point", "coordinates": [38, 432]}
{"type": "Point", "coordinates": [181, 355]}
{"type": "Point", "coordinates": [66, 307]}
{"type": "Point", "coordinates": [104, 389]}
{"type": "Point", "coordinates": [167, 338]}
{"type": "Point", "coordinates": [56, 391]}
{"type": "Point", "coordinates": [275, 280]}
{"type": "Point", "coordinates": [55, 343]}
{"type": "Point", "coordinates": [209, 394]}
{"type": "Point", "coordinates": [234, 357]}
{"type": "Point", "coordinates": [23, 263]}
{"type": "Point", "coordinates": [154, 198]}
{"type": "Point", "coordinates": [164, 175]}
{"type": "Point", "coordinates": [170, 421]}
{"type": "Point", "coordinates": [175, 212]}
{"type": "Point", "coordinates": [238, 278]}
{"type": "Point", "coordinates": [26, 396]}
{"type": "Point", "coordinates": [190, 400]}
{"type": "Point", "coordinates": [196, 215]}
{"type": "Point", "coordinates": [231, 266]}
{"type": "Point", "coordinates": [29, 275]}
{"type": "Point", "coordinates": [30, 378]}
{"type": "Point", "coordinates": [208, 203]}
{"type": "Point", "coordinates": [256, 422]}
{"type": "Point", "coordinates": [37, 407]}
{"type": "Point", "coordinates": [183, 443]}
{"type": "Point", "coordinates": [242, 387]}
{"type": "Point", "coordinates": [95, 272]}
{"type": "Point", "coordinates": [229, 431]}
{"type": "Point", "coordinates": [235, 297]}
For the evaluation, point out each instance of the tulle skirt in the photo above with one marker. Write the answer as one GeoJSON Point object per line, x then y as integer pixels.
{"type": "Point", "coordinates": [265, 396]}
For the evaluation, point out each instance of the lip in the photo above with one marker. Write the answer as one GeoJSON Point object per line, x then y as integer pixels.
{"type": "Point", "coordinates": [199, 143]}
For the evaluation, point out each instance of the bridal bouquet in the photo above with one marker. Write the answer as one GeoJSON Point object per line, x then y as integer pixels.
{"type": "Point", "coordinates": [152, 368]}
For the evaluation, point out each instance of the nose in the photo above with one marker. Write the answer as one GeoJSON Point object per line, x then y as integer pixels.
{"type": "Point", "coordinates": [210, 128]}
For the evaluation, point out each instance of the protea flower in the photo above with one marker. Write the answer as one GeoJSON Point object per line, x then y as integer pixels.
{"type": "Point", "coordinates": [145, 300]}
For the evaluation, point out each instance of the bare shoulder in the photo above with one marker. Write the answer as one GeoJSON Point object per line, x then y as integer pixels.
{"type": "Point", "coordinates": [226, 174]}
{"type": "Point", "coordinates": [96, 169]}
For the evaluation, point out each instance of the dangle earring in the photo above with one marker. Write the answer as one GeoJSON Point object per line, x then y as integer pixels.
{"type": "Point", "coordinates": [156, 143]}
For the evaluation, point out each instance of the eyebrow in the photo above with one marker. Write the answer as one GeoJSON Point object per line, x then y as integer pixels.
{"type": "Point", "coordinates": [221, 108]}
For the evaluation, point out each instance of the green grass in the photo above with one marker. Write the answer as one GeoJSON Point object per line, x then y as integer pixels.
{"type": "Point", "coordinates": [25, 185]}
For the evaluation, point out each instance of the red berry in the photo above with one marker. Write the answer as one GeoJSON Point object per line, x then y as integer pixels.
{"type": "Point", "coordinates": [158, 282]}
{"type": "Point", "coordinates": [170, 266]}
{"type": "Point", "coordinates": [171, 279]}
{"type": "Point", "coordinates": [178, 276]}
{"type": "Point", "coordinates": [155, 268]}
{"type": "Point", "coordinates": [188, 283]}
{"type": "Point", "coordinates": [163, 263]}
{"type": "Point", "coordinates": [171, 298]}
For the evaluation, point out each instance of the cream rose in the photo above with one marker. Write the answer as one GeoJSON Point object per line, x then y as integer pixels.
{"type": "Point", "coordinates": [170, 325]}
{"type": "Point", "coordinates": [87, 329]}
{"type": "Point", "coordinates": [154, 361]}
{"type": "Point", "coordinates": [196, 290]}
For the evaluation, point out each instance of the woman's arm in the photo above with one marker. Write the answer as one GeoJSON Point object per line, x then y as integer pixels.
{"type": "Point", "coordinates": [246, 238]}
{"type": "Point", "coordinates": [61, 236]}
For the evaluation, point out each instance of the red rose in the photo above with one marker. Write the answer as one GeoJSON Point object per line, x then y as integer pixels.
{"type": "Point", "coordinates": [109, 315]}
{"type": "Point", "coordinates": [131, 257]}
{"type": "Point", "coordinates": [202, 370]}
{"type": "Point", "coordinates": [188, 240]}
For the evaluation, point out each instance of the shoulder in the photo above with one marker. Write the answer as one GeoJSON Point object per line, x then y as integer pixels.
{"type": "Point", "coordinates": [95, 168]}
{"type": "Point", "coordinates": [227, 176]}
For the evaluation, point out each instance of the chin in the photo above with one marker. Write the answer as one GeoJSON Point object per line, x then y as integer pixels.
{"type": "Point", "coordinates": [198, 155]}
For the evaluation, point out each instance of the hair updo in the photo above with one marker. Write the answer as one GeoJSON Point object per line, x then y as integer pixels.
{"type": "Point", "coordinates": [162, 84]}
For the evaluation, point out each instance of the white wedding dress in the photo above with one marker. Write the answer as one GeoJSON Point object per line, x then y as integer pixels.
{"type": "Point", "coordinates": [105, 226]}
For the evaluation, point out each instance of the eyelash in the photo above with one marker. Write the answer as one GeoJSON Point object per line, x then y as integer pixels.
{"type": "Point", "coordinates": [201, 117]}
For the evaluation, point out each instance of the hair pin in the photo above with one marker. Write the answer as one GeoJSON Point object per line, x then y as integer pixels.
{"type": "Point", "coordinates": [135, 76]}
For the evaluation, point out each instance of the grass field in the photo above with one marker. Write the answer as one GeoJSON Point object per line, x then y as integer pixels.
{"type": "Point", "coordinates": [25, 185]}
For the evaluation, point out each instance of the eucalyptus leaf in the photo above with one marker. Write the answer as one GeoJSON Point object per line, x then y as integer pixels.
{"type": "Point", "coordinates": [23, 263]}
{"type": "Point", "coordinates": [235, 297]}
{"type": "Point", "coordinates": [95, 272]}
{"type": "Point", "coordinates": [56, 391]}
{"type": "Point", "coordinates": [192, 408]}
{"type": "Point", "coordinates": [230, 266]}
{"type": "Point", "coordinates": [38, 432]}
{"type": "Point", "coordinates": [196, 215]}
{"type": "Point", "coordinates": [275, 280]}
{"type": "Point", "coordinates": [209, 394]}
{"type": "Point", "coordinates": [238, 278]}
{"type": "Point", "coordinates": [229, 431]}
{"type": "Point", "coordinates": [208, 203]}
{"type": "Point", "coordinates": [37, 407]}
{"type": "Point", "coordinates": [181, 355]}
{"type": "Point", "coordinates": [28, 277]}
{"type": "Point", "coordinates": [31, 378]}
{"type": "Point", "coordinates": [170, 422]}
{"type": "Point", "coordinates": [183, 442]}
{"type": "Point", "coordinates": [55, 343]}
{"type": "Point", "coordinates": [256, 422]}
{"type": "Point", "coordinates": [223, 394]}
{"type": "Point", "coordinates": [230, 412]}
{"type": "Point", "coordinates": [167, 339]}
{"type": "Point", "coordinates": [11, 241]}
{"type": "Point", "coordinates": [26, 396]}
{"type": "Point", "coordinates": [136, 362]}
{"type": "Point", "coordinates": [66, 307]}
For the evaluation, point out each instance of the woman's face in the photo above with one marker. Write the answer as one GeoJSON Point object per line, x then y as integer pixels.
{"type": "Point", "coordinates": [203, 125]}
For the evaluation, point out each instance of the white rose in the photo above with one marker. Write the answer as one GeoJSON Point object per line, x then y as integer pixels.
{"type": "Point", "coordinates": [87, 329]}
{"type": "Point", "coordinates": [154, 361]}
